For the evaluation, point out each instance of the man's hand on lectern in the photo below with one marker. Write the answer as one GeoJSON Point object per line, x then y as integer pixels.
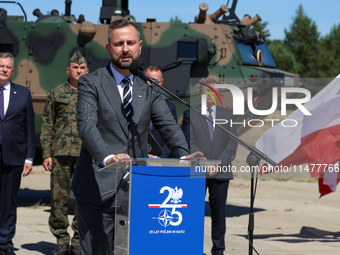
{"type": "Point", "coordinates": [152, 156]}
{"type": "Point", "coordinates": [195, 155]}
{"type": "Point", "coordinates": [116, 158]}
{"type": "Point", "coordinates": [211, 171]}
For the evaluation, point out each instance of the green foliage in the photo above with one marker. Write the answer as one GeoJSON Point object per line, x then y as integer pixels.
{"type": "Point", "coordinates": [284, 59]}
{"type": "Point", "coordinates": [302, 40]}
{"type": "Point", "coordinates": [175, 20]}
{"type": "Point", "coordinates": [328, 57]}
{"type": "Point", "coordinates": [304, 52]}
{"type": "Point", "coordinates": [261, 27]}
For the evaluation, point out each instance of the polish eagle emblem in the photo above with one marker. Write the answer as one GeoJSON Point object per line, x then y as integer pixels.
{"type": "Point", "coordinates": [177, 194]}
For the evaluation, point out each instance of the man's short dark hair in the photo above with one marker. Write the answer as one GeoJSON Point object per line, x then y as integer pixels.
{"type": "Point", "coordinates": [119, 23]}
{"type": "Point", "coordinates": [152, 69]}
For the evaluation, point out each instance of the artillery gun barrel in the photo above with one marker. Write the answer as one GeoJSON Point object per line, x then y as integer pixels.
{"type": "Point", "coordinates": [119, 4]}
{"type": "Point", "coordinates": [252, 21]}
{"type": "Point", "coordinates": [200, 18]}
{"type": "Point", "coordinates": [224, 9]}
{"type": "Point", "coordinates": [68, 7]}
{"type": "Point", "coordinates": [37, 13]}
{"type": "Point", "coordinates": [245, 19]}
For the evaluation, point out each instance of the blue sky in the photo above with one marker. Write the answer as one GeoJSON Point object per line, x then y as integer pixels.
{"type": "Point", "coordinates": [278, 13]}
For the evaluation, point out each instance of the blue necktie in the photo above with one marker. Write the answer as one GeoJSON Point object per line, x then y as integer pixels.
{"type": "Point", "coordinates": [210, 125]}
{"type": "Point", "coordinates": [2, 108]}
{"type": "Point", "coordinates": [127, 99]}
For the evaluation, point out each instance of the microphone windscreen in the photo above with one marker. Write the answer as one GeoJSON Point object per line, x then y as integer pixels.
{"type": "Point", "coordinates": [134, 67]}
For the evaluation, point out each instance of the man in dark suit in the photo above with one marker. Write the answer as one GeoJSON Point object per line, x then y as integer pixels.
{"type": "Point", "coordinates": [114, 113]}
{"type": "Point", "coordinates": [214, 144]}
{"type": "Point", "coordinates": [156, 73]}
{"type": "Point", "coordinates": [17, 147]}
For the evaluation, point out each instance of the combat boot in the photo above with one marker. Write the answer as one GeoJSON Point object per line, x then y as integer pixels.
{"type": "Point", "coordinates": [75, 250]}
{"type": "Point", "coordinates": [62, 249]}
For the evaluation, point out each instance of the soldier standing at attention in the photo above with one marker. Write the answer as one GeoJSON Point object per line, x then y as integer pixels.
{"type": "Point", "coordinates": [61, 148]}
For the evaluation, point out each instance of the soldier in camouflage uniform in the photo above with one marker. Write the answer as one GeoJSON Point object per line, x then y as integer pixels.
{"type": "Point", "coordinates": [61, 148]}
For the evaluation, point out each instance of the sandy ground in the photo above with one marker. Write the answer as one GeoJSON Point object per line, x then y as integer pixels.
{"type": "Point", "coordinates": [289, 216]}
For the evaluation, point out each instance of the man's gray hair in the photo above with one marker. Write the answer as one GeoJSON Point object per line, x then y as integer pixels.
{"type": "Point", "coordinates": [209, 81]}
{"type": "Point", "coordinates": [7, 55]}
{"type": "Point", "coordinates": [119, 24]}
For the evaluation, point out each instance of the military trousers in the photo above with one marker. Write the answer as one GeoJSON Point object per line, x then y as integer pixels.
{"type": "Point", "coordinates": [61, 177]}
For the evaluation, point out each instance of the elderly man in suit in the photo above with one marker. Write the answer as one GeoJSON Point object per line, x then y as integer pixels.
{"type": "Point", "coordinates": [114, 113]}
{"type": "Point", "coordinates": [156, 73]}
{"type": "Point", "coordinates": [214, 144]}
{"type": "Point", "coordinates": [17, 147]}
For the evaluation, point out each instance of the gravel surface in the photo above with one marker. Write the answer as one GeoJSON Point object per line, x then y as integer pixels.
{"type": "Point", "coordinates": [289, 216]}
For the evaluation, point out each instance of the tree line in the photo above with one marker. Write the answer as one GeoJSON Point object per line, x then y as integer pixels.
{"type": "Point", "coordinates": [303, 51]}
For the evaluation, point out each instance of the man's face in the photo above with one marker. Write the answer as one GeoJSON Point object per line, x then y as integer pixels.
{"type": "Point", "coordinates": [210, 101]}
{"type": "Point", "coordinates": [124, 47]}
{"type": "Point", "coordinates": [75, 71]}
{"type": "Point", "coordinates": [6, 70]}
{"type": "Point", "coordinates": [156, 75]}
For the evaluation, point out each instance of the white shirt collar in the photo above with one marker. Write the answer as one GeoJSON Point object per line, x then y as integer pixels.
{"type": "Point", "coordinates": [118, 77]}
{"type": "Point", "coordinates": [213, 108]}
{"type": "Point", "coordinates": [7, 84]}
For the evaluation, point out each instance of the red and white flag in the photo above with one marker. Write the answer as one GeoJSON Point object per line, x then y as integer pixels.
{"type": "Point", "coordinates": [314, 140]}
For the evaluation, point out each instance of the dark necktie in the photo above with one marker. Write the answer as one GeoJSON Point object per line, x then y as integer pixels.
{"type": "Point", "coordinates": [127, 99]}
{"type": "Point", "coordinates": [210, 125]}
{"type": "Point", "coordinates": [2, 108]}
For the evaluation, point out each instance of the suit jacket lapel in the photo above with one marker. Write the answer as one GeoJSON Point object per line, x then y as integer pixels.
{"type": "Point", "coordinates": [138, 101]}
{"type": "Point", "coordinates": [12, 99]}
{"type": "Point", "coordinates": [110, 89]}
{"type": "Point", "coordinates": [204, 124]}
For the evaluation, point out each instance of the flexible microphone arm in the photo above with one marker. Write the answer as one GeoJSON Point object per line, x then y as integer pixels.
{"type": "Point", "coordinates": [137, 70]}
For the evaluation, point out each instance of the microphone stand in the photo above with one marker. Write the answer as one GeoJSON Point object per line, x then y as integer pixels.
{"type": "Point", "coordinates": [253, 158]}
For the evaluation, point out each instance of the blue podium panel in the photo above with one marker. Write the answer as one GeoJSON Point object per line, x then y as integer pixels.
{"type": "Point", "coordinates": [166, 211]}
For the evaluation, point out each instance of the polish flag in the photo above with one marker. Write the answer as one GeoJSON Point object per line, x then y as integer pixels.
{"type": "Point", "coordinates": [315, 139]}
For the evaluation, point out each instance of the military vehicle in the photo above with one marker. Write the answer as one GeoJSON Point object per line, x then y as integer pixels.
{"type": "Point", "coordinates": [219, 45]}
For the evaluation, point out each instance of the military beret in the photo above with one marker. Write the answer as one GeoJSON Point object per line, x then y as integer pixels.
{"type": "Point", "coordinates": [78, 58]}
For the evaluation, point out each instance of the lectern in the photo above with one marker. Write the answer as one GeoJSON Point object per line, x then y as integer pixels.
{"type": "Point", "coordinates": [160, 206]}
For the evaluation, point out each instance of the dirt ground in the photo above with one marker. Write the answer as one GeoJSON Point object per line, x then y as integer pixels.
{"type": "Point", "coordinates": [289, 216]}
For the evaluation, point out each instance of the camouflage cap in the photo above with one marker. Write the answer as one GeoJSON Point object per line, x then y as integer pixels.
{"type": "Point", "coordinates": [78, 58]}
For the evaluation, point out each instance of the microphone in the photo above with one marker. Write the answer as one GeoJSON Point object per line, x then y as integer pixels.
{"type": "Point", "coordinates": [136, 69]}
{"type": "Point", "coordinates": [125, 181]}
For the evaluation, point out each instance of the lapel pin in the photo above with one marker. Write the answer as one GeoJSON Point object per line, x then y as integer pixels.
{"type": "Point", "coordinates": [139, 96]}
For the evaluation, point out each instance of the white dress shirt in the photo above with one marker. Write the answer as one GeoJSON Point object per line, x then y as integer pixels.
{"type": "Point", "coordinates": [118, 78]}
{"type": "Point", "coordinates": [6, 91]}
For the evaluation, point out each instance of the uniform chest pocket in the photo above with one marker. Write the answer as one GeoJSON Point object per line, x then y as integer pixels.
{"type": "Point", "coordinates": [64, 99]}
{"type": "Point", "coordinates": [63, 105]}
